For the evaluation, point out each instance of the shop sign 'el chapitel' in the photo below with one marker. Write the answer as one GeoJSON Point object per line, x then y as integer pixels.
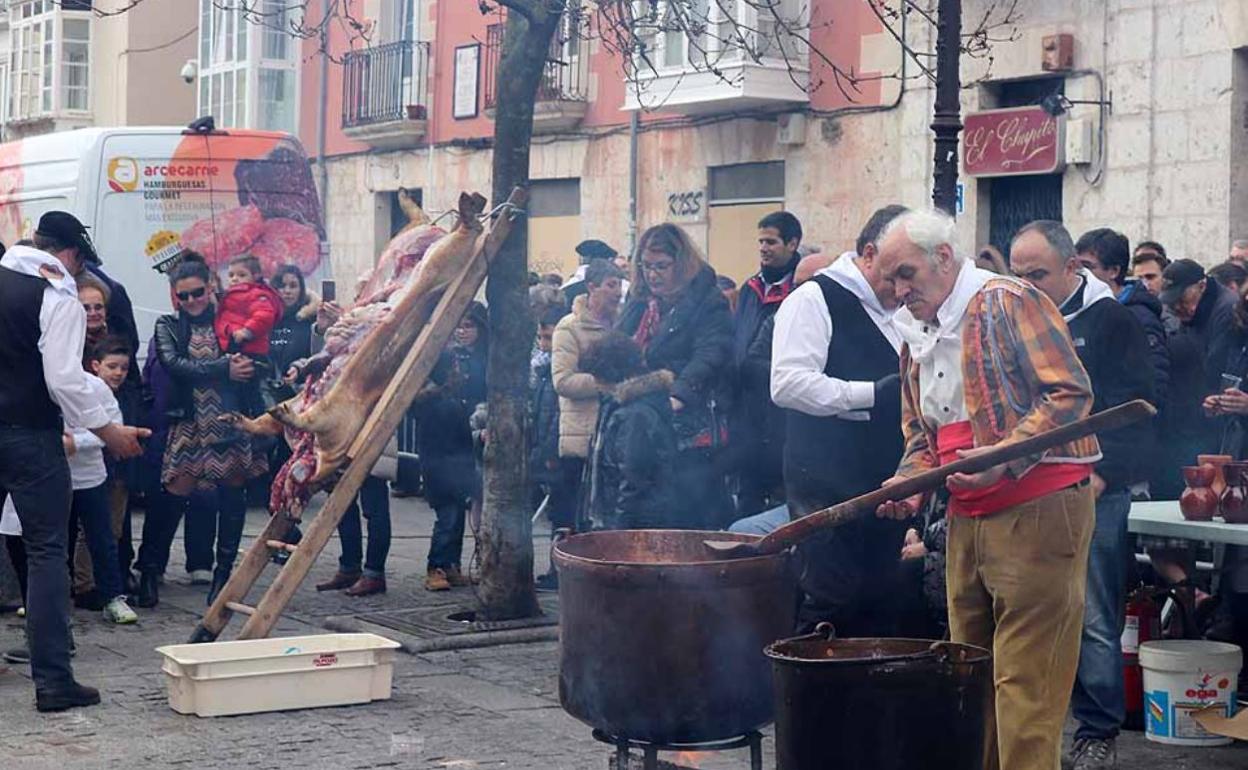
{"type": "Point", "coordinates": [1016, 140]}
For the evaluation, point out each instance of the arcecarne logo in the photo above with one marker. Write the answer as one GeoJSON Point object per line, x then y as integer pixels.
{"type": "Point", "coordinates": [185, 170]}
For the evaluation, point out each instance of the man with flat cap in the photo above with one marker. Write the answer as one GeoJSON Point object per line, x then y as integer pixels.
{"type": "Point", "coordinates": [588, 251]}
{"type": "Point", "coordinates": [60, 233]}
{"type": "Point", "coordinates": [42, 330]}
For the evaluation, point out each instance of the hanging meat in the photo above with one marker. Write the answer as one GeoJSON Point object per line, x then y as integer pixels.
{"type": "Point", "coordinates": [362, 352]}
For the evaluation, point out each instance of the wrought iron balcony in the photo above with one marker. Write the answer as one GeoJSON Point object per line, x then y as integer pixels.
{"type": "Point", "coordinates": [563, 94]}
{"type": "Point", "coordinates": [385, 93]}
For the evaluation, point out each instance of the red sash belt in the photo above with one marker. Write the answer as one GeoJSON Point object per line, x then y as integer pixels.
{"type": "Point", "coordinates": [1041, 480]}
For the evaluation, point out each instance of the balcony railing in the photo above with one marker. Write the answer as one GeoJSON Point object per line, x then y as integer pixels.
{"type": "Point", "coordinates": [385, 84]}
{"type": "Point", "coordinates": [566, 76]}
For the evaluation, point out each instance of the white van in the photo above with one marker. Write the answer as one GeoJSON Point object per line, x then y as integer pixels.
{"type": "Point", "coordinates": [148, 193]}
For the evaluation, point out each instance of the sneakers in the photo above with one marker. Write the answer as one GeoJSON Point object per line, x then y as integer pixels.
{"type": "Point", "coordinates": [456, 578]}
{"type": "Point", "coordinates": [117, 611]}
{"type": "Point", "coordinates": [1094, 754]}
{"type": "Point", "coordinates": [436, 580]}
{"type": "Point", "coordinates": [201, 577]}
{"type": "Point", "coordinates": [70, 696]}
{"type": "Point", "coordinates": [367, 586]}
{"type": "Point", "coordinates": [339, 581]}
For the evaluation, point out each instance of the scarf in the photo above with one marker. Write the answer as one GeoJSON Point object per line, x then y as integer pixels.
{"type": "Point", "coordinates": [948, 318]}
{"type": "Point", "coordinates": [649, 325]}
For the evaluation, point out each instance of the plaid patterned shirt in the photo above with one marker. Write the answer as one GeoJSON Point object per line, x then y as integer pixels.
{"type": "Point", "coordinates": [1021, 376]}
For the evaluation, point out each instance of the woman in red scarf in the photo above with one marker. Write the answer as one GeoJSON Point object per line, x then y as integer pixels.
{"type": "Point", "coordinates": [678, 315]}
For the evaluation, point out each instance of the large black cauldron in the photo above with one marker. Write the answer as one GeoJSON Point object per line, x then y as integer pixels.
{"type": "Point", "coordinates": [880, 704]}
{"type": "Point", "coordinates": [660, 643]}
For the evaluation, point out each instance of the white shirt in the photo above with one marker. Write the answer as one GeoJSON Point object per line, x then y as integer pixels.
{"type": "Point", "coordinates": [936, 348]}
{"type": "Point", "coordinates": [800, 347]}
{"type": "Point", "coordinates": [86, 465]}
{"type": "Point", "coordinates": [62, 333]}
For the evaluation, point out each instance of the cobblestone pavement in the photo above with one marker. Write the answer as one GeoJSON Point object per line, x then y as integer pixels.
{"type": "Point", "coordinates": [494, 707]}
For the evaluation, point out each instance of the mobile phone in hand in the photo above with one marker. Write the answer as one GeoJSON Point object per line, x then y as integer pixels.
{"type": "Point", "coordinates": [329, 291]}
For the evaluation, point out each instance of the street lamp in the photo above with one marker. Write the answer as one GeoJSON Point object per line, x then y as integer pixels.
{"type": "Point", "coordinates": [1056, 104]}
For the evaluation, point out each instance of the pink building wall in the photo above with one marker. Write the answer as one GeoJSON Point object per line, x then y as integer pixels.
{"type": "Point", "coordinates": [838, 28]}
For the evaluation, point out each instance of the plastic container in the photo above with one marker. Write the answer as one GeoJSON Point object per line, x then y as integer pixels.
{"type": "Point", "coordinates": [256, 675]}
{"type": "Point", "coordinates": [1182, 677]}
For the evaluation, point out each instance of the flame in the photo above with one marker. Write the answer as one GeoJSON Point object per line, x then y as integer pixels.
{"type": "Point", "coordinates": [690, 758]}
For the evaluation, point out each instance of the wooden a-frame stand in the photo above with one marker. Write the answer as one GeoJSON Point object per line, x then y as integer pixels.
{"type": "Point", "coordinates": [380, 426]}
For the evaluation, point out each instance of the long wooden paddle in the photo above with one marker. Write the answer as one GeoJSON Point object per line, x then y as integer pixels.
{"type": "Point", "coordinates": [796, 531]}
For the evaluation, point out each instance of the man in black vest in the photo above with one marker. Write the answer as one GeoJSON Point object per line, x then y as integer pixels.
{"type": "Point", "coordinates": [835, 368]}
{"type": "Point", "coordinates": [757, 428]}
{"type": "Point", "coordinates": [42, 330]}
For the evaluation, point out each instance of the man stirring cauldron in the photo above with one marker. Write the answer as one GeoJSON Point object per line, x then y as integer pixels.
{"type": "Point", "coordinates": [987, 361]}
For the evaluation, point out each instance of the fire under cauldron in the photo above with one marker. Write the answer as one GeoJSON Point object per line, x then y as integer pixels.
{"type": "Point", "coordinates": [880, 704]}
{"type": "Point", "coordinates": [661, 643]}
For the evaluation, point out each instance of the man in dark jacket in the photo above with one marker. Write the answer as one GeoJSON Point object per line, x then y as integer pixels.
{"type": "Point", "coordinates": [758, 424]}
{"type": "Point", "coordinates": [1199, 349]}
{"type": "Point", "coordinates": [1115, 352]}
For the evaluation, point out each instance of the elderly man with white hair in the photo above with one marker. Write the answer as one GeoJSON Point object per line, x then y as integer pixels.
{"type": "Point", "coordinates": [987, 361]}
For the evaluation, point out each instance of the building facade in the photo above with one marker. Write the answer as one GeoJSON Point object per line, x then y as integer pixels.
{"type": "Point", "coordinates": [1145, 104]}
{"type": "Point", "coordinates": [66, 64]}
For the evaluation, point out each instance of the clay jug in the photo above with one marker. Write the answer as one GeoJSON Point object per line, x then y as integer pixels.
{"type": "Point", "coordinates": [1234, 505]}
{"type": "Point", "coordinates": [1217, 461]}
{"type": "Point", "coordinates": [1198, 501]}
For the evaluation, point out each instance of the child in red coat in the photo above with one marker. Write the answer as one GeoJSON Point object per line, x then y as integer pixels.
{"type": "Point", "coordinates": [246, 314]}
{"type": "Point", "coordinates": [248, 310]}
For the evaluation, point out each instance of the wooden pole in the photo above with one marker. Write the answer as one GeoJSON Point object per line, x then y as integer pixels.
{"type": "Point", "coordinates": [408, 380]}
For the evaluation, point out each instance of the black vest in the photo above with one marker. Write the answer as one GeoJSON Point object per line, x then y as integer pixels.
{"type": "Point", "coordinates": [24, 398]}
{"type": "Point", "coordinates": [826, 459]}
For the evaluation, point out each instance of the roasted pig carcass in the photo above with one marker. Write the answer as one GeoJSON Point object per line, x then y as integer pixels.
{"type": "Point", "coordinates": [362, 352]}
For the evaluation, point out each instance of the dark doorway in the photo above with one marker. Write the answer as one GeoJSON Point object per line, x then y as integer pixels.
{"type": "Point", "coordinates": [1017, 200]}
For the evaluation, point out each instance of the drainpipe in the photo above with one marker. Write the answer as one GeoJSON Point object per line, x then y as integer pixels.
{"type": "Point", "coordinates": [322, 108]}
{"type": "Point", "coordinates": [634, 123]}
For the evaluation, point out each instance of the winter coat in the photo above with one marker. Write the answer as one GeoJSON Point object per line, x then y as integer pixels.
{"type": "Point", "coordinates": [693, 341]}
{"type": "Point", "coordinates": [443, 438]}
{"type": "Point", "coordinates": [253, 306]}
{"type": "Point", "coordinates": [173, 334]}
{"type": "Point", "coordinates": [544, 417]}
{"type": "Point", "coordinates": [578, 392]}
{"type": "Point", "coordinates": [758, 429]}
{"type": "Point", "coordinates": [1235, 428]}
{"type": "Point", "coordinates": [632, 472]}
{"type": "Point", "coordinates": [291, 340]}
{"type": "Point", "coordinates": [1115, 351]}
{"type": "Point", "coordinates": [754, 307]}
{"type": "Point", "coordinates": [1136, 297]}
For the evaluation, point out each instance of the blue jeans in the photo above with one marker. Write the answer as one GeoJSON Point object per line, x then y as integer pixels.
{"type": "Point", "coordinates": [34, 471]}
{"type": "Point", "coordinates": [1097, 703]}
{"type": "Point", "coordinates": [762, 523]}
{"type": "Point", "coordinates": [374, 498]}
{"type": "Point", "coordinates": [447, 544]}
{"type": "Point", "coordinates": [91, 509]}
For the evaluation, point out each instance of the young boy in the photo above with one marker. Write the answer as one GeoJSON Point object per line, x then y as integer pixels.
{"type": "Point", "coordinates": [89, 478]}
{"type": "Point", "coordinates": [246, 315]}
{"type": "Point", "coordinates": [544, 441]}
{"type": "Point", "coordinates": [631, 481]}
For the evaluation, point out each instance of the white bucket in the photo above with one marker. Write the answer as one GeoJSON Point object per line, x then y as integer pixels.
{"type": "Point", "coordinates": [1182, 677]}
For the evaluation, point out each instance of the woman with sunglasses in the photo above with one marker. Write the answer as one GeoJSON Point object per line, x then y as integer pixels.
{"type": "Point", "coordinates": [201, 455]}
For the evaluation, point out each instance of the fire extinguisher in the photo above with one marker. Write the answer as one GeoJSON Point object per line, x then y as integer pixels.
{"type": "Point", "coordinates": [1143, 624]}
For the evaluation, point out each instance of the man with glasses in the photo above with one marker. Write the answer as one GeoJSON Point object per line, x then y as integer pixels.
{"type": "Point", "coordinates": [42, 330]}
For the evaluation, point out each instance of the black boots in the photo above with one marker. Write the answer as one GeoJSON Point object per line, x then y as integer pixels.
{"type": "Point", "coordinates": [219, 579]}
{"type": "Point", "coordinates": [149, 590]}
{"type": "Point", "coordinates": [67, 697]}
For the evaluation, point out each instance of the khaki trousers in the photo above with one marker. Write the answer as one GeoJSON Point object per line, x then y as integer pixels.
{"type": "Point", "coordinates": [1016, 586]}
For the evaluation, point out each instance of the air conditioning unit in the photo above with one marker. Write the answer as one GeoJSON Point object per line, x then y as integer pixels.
{"type": "Point", "coordinates": [791, 128]}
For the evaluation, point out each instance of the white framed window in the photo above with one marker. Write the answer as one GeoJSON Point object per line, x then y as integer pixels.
{"type": "Point", "coordinates": [249, 67]}
{"type": "Point", "coordinates": [49, 67]}
{"type": "Point", "coordinates": [726, 29]}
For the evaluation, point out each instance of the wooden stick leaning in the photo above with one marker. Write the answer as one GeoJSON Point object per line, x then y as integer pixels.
{"type": "Point", "coordinates": [381, 425]}
{"type": "Point", "coordinates": [795, 531]}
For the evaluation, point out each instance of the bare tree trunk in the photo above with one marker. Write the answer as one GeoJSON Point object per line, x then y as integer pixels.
{"type": "Point", "coordinates": [506, 589]}
{"type": "Point", "coordinates": [946, 122]}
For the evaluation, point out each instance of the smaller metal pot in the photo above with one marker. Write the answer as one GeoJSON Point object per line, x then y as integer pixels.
{"type": "Point", "coordinates": [879, 704]}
